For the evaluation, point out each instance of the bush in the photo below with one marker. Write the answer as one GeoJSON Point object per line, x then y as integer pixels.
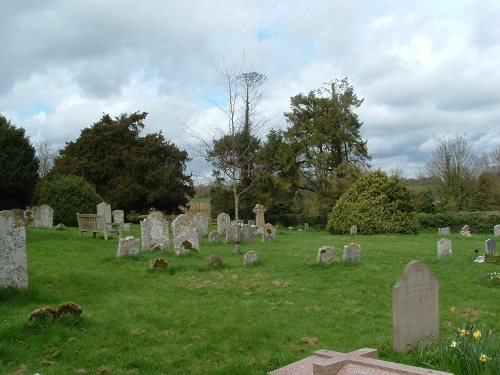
{"type": "Point", "coordinates": [67, 196]}
{"type": "Point", "coordinates": [375, 203]}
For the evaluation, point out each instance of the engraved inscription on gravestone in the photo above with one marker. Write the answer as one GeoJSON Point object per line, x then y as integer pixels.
{"type": "Point", "coordinates": [415, 306]}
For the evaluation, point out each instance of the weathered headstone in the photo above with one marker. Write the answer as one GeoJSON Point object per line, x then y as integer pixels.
{"type": "Point", "coordinates": [250, 257]}
{"type": "Point", "coordinates": [128, 246]}
{"type": "Point", "coordinates": [201, 221]}
{"type": "Point", "coordinates": [466, 228]}
{"type": "Point", "coordinates": [213, 236]}
{"type": "Point", "coordinates": [232, 234]}
{"type": "Point", "coordinates": [325, 255]}
{"type": "Point", "coordinates": [13, 258]}
{"type": "Point", "coordinates": [352, 252]}
{"type": "Point", "coordinates": [354, 230]}
{"type": "Point", "coordinates": [154, 232]}
{"type": "Point", "coordinates": [444, 231]}
{"type": "Point", "coordinates": [268, 233]}
{"type": "Point", "coordinates": [60, 227]}
{"type": "Point", "coordinates": [306, 226]}
{"type": "Point", "coordinates": [118, 216]}
{"type": "Point", "coordinates": [21, 214]}
{"type": "Point", "coordinates": [415, 306]}
{"type": "Point", "coordinates": [246, 233]}
{"type": "Point", "coordinates": [259, 211]}
{"type": "Point", "coordinates": [185, 235]}
{"type": "Point", "coordinates": [158, 263]}
{"type": "Point", "coordinates": [490, 246]}
{"type": "Point", "coordinates": [360, 362]}
{"type": "Point", "coordinates": [104, 208]}
{"type": "Point", "coordinates": [496, 230]}
{"type": "Point", "coordinates": [444, 248]}
{"type": "Point", "coordinates": [214, 260]}
{"type": "Point", "coordinates": [43, 216]}
{"type": "Point", "coordinates": [223, 222]}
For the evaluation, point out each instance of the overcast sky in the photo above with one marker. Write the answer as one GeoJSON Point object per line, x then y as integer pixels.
{"type": "Point", "coordinates": [425, 68]}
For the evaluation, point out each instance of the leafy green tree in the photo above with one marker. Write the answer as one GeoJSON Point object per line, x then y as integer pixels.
{"type": "Point", "coordinates": [324, 137]}
{"type": "Point", "coordinates": [130, 172]}
{"type": "Point", "coordinates": [374, 203]}
{"type": "Point", "coordinates": [18, 167]}
{"type": "Point", "coordinates": [67, 196]}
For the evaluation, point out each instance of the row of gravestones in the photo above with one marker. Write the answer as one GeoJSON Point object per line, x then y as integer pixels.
{"type": "Point", "coordinates": [352, 253]}
{"type": "Point", "coordinates": [444, 248]}
{"type": "Point", "coordinates": [466, 231]}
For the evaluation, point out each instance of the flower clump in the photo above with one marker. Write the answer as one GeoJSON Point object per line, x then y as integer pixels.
{"type": "Point", "coordinates": [493, 278]}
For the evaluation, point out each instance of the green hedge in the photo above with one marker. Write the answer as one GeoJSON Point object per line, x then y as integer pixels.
{"type": "Point", "coordinates": [297, 220]}
{"type": "Point", "coordinates": [479, 222]}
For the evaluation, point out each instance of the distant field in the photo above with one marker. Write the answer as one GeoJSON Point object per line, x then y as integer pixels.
{"type": "Point", "coordinates": [234, 320]}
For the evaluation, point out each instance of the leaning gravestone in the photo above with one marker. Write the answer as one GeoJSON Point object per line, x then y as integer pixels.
{"type": "Point", "coordinates": [184, 234]}
{"type": "Point", "coordinates": [154, 232]}
{"type": "Point", "coordinates": [325, 255]}
{"type": "Point", "coordinates": [496, 230]}
{"type": "Point", "coordinates": [13, 258]}
{"type": "Point", "coordinates": [250, 258]}
{"type": "Point", "coordinates": [246, 233]}
{"type": "Point", "coordinates": [43, 216]}
{"type": "Point", "coordinates": [352, 252]}
{"type": "Point", "coordinates": [128, 246]}
{"type": "Point", "coordinates": [444, 231]}
{"type": "Point", "coordinates": [415, 306]}
{"type": "Point", "coordinates": [444, 248]}
{"type": "Point", "coordinates": [223, 222]}
{"type": "Point", "coordinates": [268, 233]}
{"type": "Point", "coordinates": [232, 234]}
{"type": "Point", "coordinates": [213, 236]}
{"type": "Point", "coordinates": [490, 246]}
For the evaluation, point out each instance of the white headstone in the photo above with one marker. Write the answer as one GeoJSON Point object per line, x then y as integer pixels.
{"type": "Point", "coordinates": [444, 248]}
{"type": "Point", "coordinates": [104, 208]}
{"type": "Point", "coordinates": [43, 216]}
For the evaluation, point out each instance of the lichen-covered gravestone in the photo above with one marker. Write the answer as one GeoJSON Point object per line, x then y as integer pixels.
{"type": "Point", "coordinates": [444, 248]}
{"type": "Point", "coordinates": [325, 255]}
{"type": "Point", "coordinates": [184, 234]}
{"type": "Point", "coordinates": [352, 252]}
{"type": "Point", "coordinates": [128, 246]}
{"type": "Point", "coordinates": [232, 234]}
{"type": "Point", "coordinates": [43, 216]}
{"type": "Point", "coordinates": [13, 258]}
{"type": "Point", "coordinates": [223, 222]}
{"type": "Point", "coordinates": [201, 221]}
{"type": "Point", "coordinates": [246, 233]}
{"type": "Point", "coordinates": [415, 306]}
{"type": "Point", "coordinates": [250, 258]}
{"type": "Point", "coordinates": [154, 232]}
{"type": "Point", "coordinates": [118, 216]}
{"type": "Point", "coordinates": [213, 237]}
{"type": "Point", "coordinates": [268, 233]}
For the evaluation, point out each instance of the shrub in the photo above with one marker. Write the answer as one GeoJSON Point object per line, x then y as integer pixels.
{"type": "Point", "coordinates": [67, 196]}
{"type": "Point", "coordinates": [375, 203]}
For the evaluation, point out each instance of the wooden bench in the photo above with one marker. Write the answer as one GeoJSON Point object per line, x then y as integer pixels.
{"type": "Point", "coordinates": [97, 224]}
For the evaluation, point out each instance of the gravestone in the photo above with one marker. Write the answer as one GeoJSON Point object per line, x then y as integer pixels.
{"type": "Point", "coordinates": [185, 235]}
{"type": "Point", "coordinates": [268, 233]}
{"type": "Point", "coordinates": [360, 362]}
{"type": "Point", "coordinates": [214, 260]}
{"type": "Point", "coordinates": [306, 226]}
{"type": "Point", "coordinates": [158, 263]}
{"type": "Point", "coordinates": [201, 221]}
{"type": "Point", "coordinates": [496, 230]}
{"type": "Point", "coordinates": [354, 230]}
{"type": "Point", "coordinates": [325, 255]}
{"type": "Point", "coordinates": [154, 232]}
{"type": "Point", "coordinates": [104, 208]}
{"type": "Point", "coordinates": [128, 246]}
{"type": "Point", "coordinates": [13, 258]}
{"type": "Point", "coordinates": [443, 248]}
{"type": "Point", "coordinates": [21, 214]}
{"type": "Point", "coordinates": [252, 223]}
{"type": "Point", "coordinates": [490, 246]}
{"type": "Point", "coordinates": [444, 231]}
{"type": "Point", "coordinates": [415, 306]}
{"type": "Point", "coordinates": [43, 216]}
{"type": "Point", "coordinates": [118, 216]}
{"type": "Point", "coordinates": [213, 236]}
{"type": "Point", "coordinates": [232, 234]}
{"type": "Point", "coordinates": [250, 258]}
{"type": "Point", "coordinates": [466, 228]}
{"type": "Point", "coordinates": [465, 231]}
{"type": "Point", "coordinates": [246, 233]}
{"type": "Point", "coordinates": [223, 222]}
{"type": "Point", "coordinates": [352, 252]}
{"type": "Point", "coordinates": [260, 221]}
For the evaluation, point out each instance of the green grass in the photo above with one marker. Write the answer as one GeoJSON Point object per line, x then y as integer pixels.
{"type": "Point", "coordinates": [234, 319]}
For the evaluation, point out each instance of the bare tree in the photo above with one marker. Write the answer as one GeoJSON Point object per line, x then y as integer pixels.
{"type": "Point", "coordinates": [457, 168]}
{"type": "Point", "coordinates": [46, 154]}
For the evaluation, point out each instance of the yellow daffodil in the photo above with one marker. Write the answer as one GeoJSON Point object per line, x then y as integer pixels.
{"type": "Point", "coordinates": [477, 334]}
{"type": "Point", "coordinates": [483, 358]}
{"type": "Point", "coordinates": [453, 309]}
{"type": "Point", "coordinates": [463, 332]}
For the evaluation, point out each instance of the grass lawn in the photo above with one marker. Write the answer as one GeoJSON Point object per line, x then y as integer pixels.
{"type": "Point", "coordinates": [234, 320]}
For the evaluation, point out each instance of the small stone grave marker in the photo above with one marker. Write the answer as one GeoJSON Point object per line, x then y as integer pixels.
{"type": "Point", "coordinates": [444, 231]}
{"type": "Point", "coordinates": [13, 258]}
{"type": "Point", "coordinates": [128, 246]}
{"type": "Point", "coordinates": [158, 263]}
{"type": "Point", "coordinates": [444, 248]}
{"type": "Point", "coordinates": [214, 260]}
{"type": "Point", "coordinates": [325, 255]}
{"type": "Point", "coordinates": [213, 236]}
{"type": "Point", "coordinates": [415, 306]}
{"type": "Point", "coordinates": [250, 258]}
{"type": "Point", "coordinates": [232, 234]}
{"type": "Point", "coordinates": [268, 233]}
{"type": "Point", "coordinates": [352, 252]}
{"type": "Point", "coordinates": [43, 216]}
{"type": "Point", "coordinates": [354, 230]}
{"type": "Point", "coordinates": [496, 230]}
{"type": "Point", "coordinates": [246, 233]}
{"type": "Point", "coordinates": [490, 246]}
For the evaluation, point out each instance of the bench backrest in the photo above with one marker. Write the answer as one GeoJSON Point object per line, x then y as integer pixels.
{"type": "Point", "coordinates": [91, 222]}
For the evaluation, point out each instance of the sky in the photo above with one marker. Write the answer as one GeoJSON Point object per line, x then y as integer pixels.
{"type": "Point", "coordinates": [426, 69]}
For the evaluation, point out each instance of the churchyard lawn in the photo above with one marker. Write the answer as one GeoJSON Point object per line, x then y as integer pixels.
{"type": "Point", "coordinates": [235, 319]}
